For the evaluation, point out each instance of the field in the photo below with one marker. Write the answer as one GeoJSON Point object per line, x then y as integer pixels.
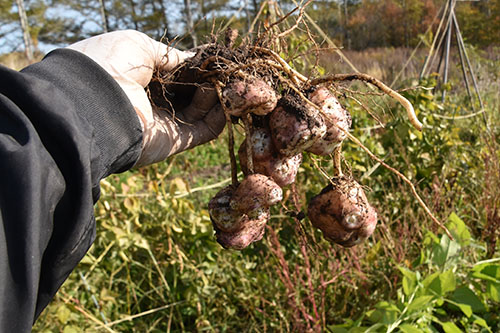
{"type": "Point", "coordinates": [155, 265]}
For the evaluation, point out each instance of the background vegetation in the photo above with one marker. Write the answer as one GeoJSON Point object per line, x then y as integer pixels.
{"type": "Point", "coordinates": [155, 265]}
{"type": "Point", "coordinates": [354, 24]}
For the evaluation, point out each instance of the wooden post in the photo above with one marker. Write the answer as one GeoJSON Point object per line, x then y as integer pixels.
{"type": "Point", "coordinates": [462, 65]}
{"type": "Point", "coordinates": [446, 58]}
{"type": "Point", "coordinates": [459, 34]}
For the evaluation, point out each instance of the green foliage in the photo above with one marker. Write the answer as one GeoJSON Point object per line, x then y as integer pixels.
{"type": "Point", "coordinates": [449, 294]}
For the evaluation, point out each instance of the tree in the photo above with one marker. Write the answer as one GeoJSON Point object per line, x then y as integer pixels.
{"type": "Point", "coordinates": [29, 22]}
{"type": "Point", "coordinates": [23, 19]}
{"type": "Point", "coordinates": [479, 22]}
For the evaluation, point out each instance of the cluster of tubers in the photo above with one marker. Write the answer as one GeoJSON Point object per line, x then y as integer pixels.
{"type": "Point", "coordinates": [284, 114]}
{"type": "Point", "coordinates": [282, 129]}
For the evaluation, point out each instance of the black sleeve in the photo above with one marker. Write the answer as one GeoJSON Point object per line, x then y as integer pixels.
{"type": "Point", "coordinates": [64, 125]}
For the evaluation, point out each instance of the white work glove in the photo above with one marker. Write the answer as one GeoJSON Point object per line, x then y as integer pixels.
{"type": "Point", "coordinates": [130, 57]}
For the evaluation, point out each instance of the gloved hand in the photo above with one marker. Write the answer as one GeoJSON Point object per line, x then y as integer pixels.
{"type": "Point", "coordinates": [130, 57]}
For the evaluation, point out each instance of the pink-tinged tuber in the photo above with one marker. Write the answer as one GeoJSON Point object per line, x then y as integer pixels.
{"type": "Point", "coordinates": [239, 214]}
{"type": "Point", "coordinates": [335, 116]}
{"type": "Point", "coordinates": [255, 191]}
{"type": "Point", "coordinates": [284, 168]}
{"type": "Point", "coordinates": [252, 231]}
{"type": "Point", "coordinates": [295, 125]}
{"type": "Point", "coordinates": [235, 229]}
{"type": "Point", "coordinates": [342, 212]}
{"type": "Point", "coordinates": [267, 161]}
{"type": "Point", "coordinates": [222, 215]}
{"type": "Point", "coordinates": [262, 144]}
{"type": "Point", "coordinates": [249, 96]}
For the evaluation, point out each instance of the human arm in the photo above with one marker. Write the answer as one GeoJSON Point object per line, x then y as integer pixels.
{"type": "Point", "coordinates": [65, 123]}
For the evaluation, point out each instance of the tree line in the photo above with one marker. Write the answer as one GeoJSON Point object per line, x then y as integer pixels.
{"type": "Point", "coordinates": [354, 24]}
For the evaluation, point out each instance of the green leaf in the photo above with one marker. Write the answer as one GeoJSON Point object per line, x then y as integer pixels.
{"type": "Point", "coordinates": [409, 280]}
{"type": "Point", "coordinates": [481, 322]}
{"type": "Point", "coordinates": [458, 229]}
{"type": "Point", "coordinates": [71, 329]}
{"type": "Point", "coordinates": [492, 270]}
{"type": "Point", "coordinates": [465, 295]}
{"type": "Point", "coordinates": [386, 313]}
{"type": "Point", "coordinates": [466, 308]}
{"type": "Point", "coordinates": [446, 249]}
{"type": "Point", "coordinates": [420, 302]}
{"type": "Point", "coordinates": [440, 283]}
{"type": "Point", "coordinates": [450, 327]}
{"type": "Point", "coordinates": [408, 285]}
{"type": "Point", "coordinates": [63, 314]}
{"type": "Point", "coordinates": [429, 279]}
{"type": "Point", "coordinates": [486, 277]}
{"type": "Point", "coordinates": [447, 281]}
{"type": "Point", "coordinates": [493, 291]}
{"type": "Point", "coordinates": [430, 237]}
{"type": "Point", "coordinates": [489, 272]}
{"type": "Point", "coordinates": [407, 328]}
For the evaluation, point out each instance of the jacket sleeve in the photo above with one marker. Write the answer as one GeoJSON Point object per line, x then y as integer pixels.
{"type": "Point", "coordinates": [64, 125]}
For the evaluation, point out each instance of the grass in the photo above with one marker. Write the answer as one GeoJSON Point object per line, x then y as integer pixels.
{"type": "Point", "coordinates": [155, 265]}
{"type": "Point", "coordinates": [17, 60]}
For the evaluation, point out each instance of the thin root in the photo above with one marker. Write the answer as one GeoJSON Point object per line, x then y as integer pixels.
{"type": "Point", "coordinates": [295, 76]}
{"type": "Point", "coordinates": [403, 177]}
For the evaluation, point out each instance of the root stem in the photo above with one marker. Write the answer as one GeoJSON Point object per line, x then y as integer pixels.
{"type": "Point", "coordinates": [367, 78]}
{"type": "Point", "coordinates": [337, 161]}
{"type": "Point", "coordinates": [229, 123]}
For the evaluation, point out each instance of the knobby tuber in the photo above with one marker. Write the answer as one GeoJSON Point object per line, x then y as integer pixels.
{"type": "Point", "coordinates": [239, 214]}
{"type": "Point", "coordinates": [252, 231]}
{"type": "Point", "coordinates": [222, 215]}
{"type": "Point", "coordinates": [295, 125]}
{"type": "Point", "coordinates": [267, 160]}
{"type": "Point", "coordinates": [249, 95]}
{"type": "Point", "coordinates": [335, 116]}
{"type": "Point", "coordinates": [256, 191]}
{"type": "Point", "coordinates": [342, 212]}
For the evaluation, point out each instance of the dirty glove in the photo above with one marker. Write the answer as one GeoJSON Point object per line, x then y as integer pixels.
{"type": "Point", "coordinates": [131, 57]}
